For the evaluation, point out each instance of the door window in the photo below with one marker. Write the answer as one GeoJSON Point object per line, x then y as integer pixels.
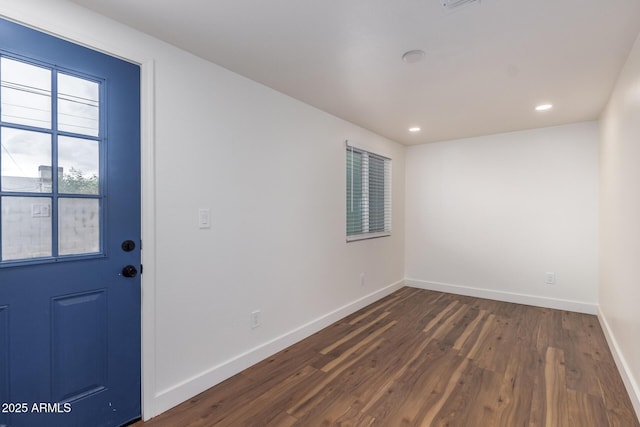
{"type": "Point", "coordinates": [50, 120]}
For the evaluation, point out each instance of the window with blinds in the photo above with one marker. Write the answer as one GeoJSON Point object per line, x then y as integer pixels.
{"type": "Point", "coordinates": [368, 194]}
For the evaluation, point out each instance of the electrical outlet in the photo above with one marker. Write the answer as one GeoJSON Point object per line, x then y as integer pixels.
{"type": "Point", "coordinates": [255, 319]}
{"type": "Point", "coordinates": [361, 279]}
{"type": "Point", "coordinates": [550, 278]}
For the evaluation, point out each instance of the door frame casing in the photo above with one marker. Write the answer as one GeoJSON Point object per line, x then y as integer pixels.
{"type": "Point", "coordinates": [43, 22]}
{"type": "Point", "coordinates": [148, 222]}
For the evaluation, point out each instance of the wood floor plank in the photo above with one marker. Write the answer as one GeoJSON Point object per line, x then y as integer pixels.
{"type": "Point", "coordinates": [386, 303]}
{"type": "Point", "coordinates": [556, 389]}
{"type": "Point", "coordinates": [595, 339]}
{"type": "Point", "coordinates": [263, 408]}
{"type": "Point", "coordinates": [585, 410]}
{"type": "Point", "coordinates": [334, 406]}
{"type": "Point", "coordinates": [419, 357]}
{"type": "Point", "coordinates": [538, 399]}
{"type": "Point", "coordinates": [356, 332]}
{"type": "Point", "coordinates": [282, 420]}
{"type": "Point", "coordinates": [392, 377]}
{"type": "Point", "coordinates": [273, 369]}
{"type": "Point", "coordinates": [307, 401]}
{"type": "Point", "coordinates": [494, 352]}
{"type": "Point", "coordinates": [516, 395]}
{"type": "Point", "coordinates": [550, 333]}
{"type": "Point", "coordinates": [413, 393]}
{"type": "Point", "coordinates": [473, 398]}
{"type": "Point", "coordinates": [450, 323]}
{"type": "Point", "coordinates": [579, 364]}
{"type": "Point", "coordinates": [469, 329]}
{"type": "Point", "coordinates": [528, 322]}
{"type": "Point", "coordinates": [355, 418]}
{"type": "Point", "coordinates": [480, 340]}
{"type": "Point", "coordinates": [452, 383]}
{"type": "Point", "coordinates": [619, 408]}
{"type": "Point", "coordinates": [438, 317]}
{"type": "Point", "coordinates": [347, 353]}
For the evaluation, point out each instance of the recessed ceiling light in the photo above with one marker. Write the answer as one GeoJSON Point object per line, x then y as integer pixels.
{"type": "Point", "coordinates": [454, 4]}
{"type": "Point", "coordinates": [544, 107]}
{"type": "Point", "coordinates": [413, 56]}
{"type": "Point", "coordinates": [414, 129]}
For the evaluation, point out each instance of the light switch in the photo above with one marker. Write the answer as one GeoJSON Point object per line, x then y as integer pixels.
{"type": "Point", "coordinates": [550, 278]}
{"type": "Point", "coordinates": [204, 218]}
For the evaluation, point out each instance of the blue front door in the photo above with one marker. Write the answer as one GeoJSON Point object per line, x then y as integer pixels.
{"type": "Point", "coordinates": [70, 233]}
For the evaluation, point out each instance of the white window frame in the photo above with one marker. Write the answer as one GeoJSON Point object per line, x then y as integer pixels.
{"type": "Point", "coordinates": [366, 197]}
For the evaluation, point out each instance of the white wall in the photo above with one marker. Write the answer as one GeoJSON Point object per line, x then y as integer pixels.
{"type": "Point", "coordinates": [620, 224]}
{"type": "Point", "coordinates": [271, 169]}
{"type": "Point", "coordinates": [489, 216]}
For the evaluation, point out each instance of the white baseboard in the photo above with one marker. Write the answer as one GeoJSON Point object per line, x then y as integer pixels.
{"type": "Point", "coordinates": [538, 301]}
{"type": "Point", "coordinates": [627, 376]}
{"type": "Point", "coordinates": [183, 391]}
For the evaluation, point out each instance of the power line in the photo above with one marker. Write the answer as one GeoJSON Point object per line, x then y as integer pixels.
{"type": "Point", "coordinates": [44, 92]}
{"type": "Point", "coordinates": [14, 160]}
{"type": "Point", "coordinates": [25, 107]}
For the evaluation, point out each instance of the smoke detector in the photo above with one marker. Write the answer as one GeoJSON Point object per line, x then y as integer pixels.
{"type": "Point", "coordinates": [451, 5]}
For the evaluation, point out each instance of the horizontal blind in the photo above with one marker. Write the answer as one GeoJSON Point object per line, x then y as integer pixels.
{"type": "Point", "coordinates": [368, 194]}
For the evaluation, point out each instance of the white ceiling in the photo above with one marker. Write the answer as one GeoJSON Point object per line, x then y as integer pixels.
{"type": "Point", "coordinates": [486, 65]}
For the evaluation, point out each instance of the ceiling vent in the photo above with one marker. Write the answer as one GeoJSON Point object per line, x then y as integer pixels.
{"type": "Point", "coordinates": [451, 5]}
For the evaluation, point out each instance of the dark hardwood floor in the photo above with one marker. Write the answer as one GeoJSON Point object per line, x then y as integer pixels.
{"type": "Point", "coordinates": [423, 358]}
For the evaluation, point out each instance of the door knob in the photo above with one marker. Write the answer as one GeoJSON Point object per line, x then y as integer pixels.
{"type": "Point", "coordinates": [129, 271]}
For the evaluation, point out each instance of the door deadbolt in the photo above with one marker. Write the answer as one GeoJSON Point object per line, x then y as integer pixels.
{"type": "Point", "coordinates": [128, 245]}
